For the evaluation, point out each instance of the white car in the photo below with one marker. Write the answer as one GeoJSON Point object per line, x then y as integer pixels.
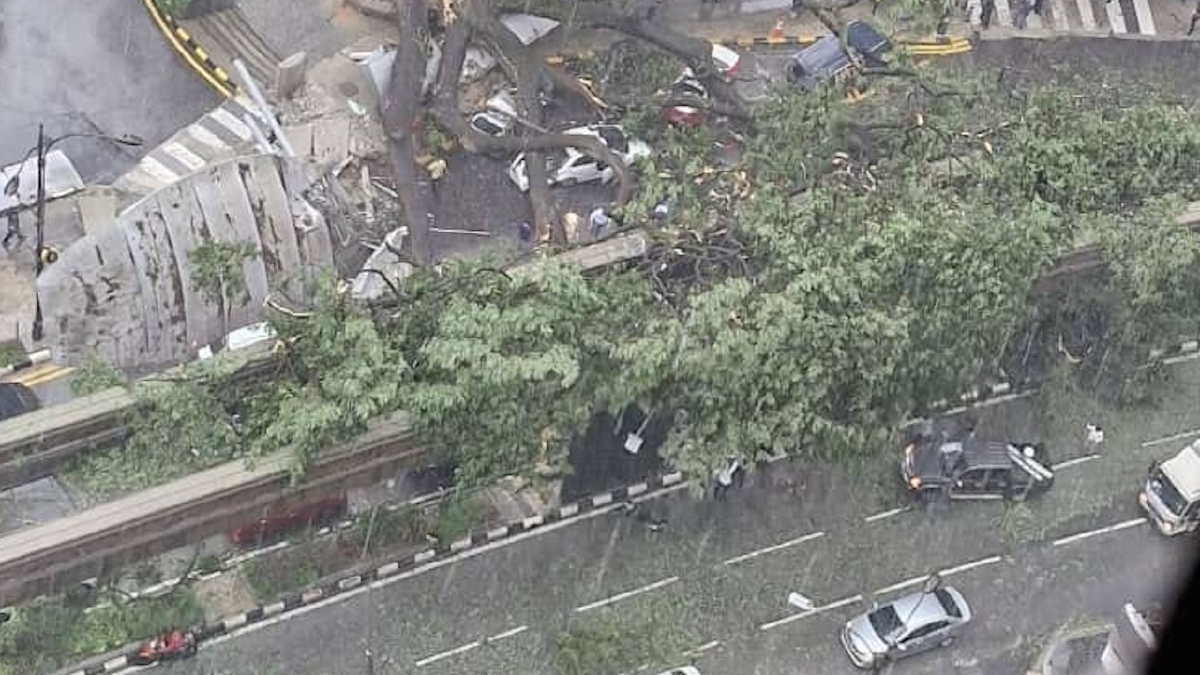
{"type": "Point", "coordinates": [726, 60]}
{"type": "Point", "coordinates": [498, 118]}
{"type": "Point", "coordinates": [682, 670]}
{"type": "Point", "coordinates": [572, 166]}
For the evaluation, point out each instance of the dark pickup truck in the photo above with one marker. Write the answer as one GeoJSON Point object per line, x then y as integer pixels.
{"type": "Point", "coordinates": [936, 468]}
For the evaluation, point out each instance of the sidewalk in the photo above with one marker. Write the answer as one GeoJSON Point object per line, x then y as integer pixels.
{"type": "Point", "coordinates": [1075, 653]}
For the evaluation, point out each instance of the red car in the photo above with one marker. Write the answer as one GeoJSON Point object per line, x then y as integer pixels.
{"type": "Point", "coordinates": [686, 115]}
{"type": "Point", "coordinates": [295, 518]}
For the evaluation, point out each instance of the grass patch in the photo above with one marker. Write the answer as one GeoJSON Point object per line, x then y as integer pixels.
{"type": "Point", "coordinates": [48, 635]}
{"type": "Point", "coordinates": [607, 641]}
{"type": "Point", "coordinates": [11, 351]}
{"type": "Point", "coordinates": [1020, 525]}
{"type": "Point", "coordinates": [276, 575]}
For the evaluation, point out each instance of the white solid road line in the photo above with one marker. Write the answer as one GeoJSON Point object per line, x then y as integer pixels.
{"type": "Point", "coordinates": [1073, 462]}
{"type": "Point", "coordinates": [1175, 437]}
{"type": "Point", "coordinates": [815, 610]}
{"type": "Point", "coordinates": [1095, 533]}
{"type": "Point", "coordinates": [430, 566]}
{"type": "Point", "coordinates": [887, 514]}
{"type": "Point", "coordinates": [627, 594]}
{"type": "Point", "coordinates": [447, 654]}
{"type": "Point", "coordinates": [771, 549]}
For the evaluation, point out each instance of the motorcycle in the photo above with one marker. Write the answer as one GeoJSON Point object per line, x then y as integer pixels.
{"type": "Point", "coordinates": [172, 645]}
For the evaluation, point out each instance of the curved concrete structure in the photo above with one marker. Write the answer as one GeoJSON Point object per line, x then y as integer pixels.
{"type": "Point", "coordinates": [124, 292]}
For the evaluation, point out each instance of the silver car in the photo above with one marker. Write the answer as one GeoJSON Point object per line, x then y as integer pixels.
{"type": "Point", "coordinates": [906, 626]}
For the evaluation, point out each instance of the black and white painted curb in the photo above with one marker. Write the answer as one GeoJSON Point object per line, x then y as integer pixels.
{"type": "Point", "coordinates": [122, 660]}
{"type": "Point", "coordinates": [118, 661]}
{"type": "Point", "coordinates": [30, 360]}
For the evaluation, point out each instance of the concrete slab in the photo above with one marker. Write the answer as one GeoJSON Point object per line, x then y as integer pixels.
{"type": "Point", "coordinates": [331, 139]}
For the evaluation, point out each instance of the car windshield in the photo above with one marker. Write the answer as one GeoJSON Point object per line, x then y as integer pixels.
{"type": "Point", "coordinates": [1161, 486]}
{"type": "Point", "coordinates": [485, 124]}
{"type": "Point", "coordinates": [886, 623]}
{"type": "Point", "coordinates": [948, 604]}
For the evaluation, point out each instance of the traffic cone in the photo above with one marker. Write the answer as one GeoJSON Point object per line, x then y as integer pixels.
{"type": "Point", "coordinates": [776, 34]}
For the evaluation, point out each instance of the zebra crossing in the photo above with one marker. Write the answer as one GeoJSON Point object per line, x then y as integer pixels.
{"type": "Point", "coordinates": [1105, 16]}
{"type": "Point", "coordinates": [217, 136]}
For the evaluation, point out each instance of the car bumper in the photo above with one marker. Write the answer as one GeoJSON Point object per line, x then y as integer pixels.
{"type": "Point", "coordinates": [1166, 527]}
{"type": "Point", "coordinates": [861, 661]}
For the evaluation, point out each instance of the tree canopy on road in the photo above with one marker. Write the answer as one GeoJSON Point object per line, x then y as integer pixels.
{"type": "Point", "coordinates": [853, 260]}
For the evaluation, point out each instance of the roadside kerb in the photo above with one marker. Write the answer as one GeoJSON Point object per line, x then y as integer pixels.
{"type": "Point", "coordinates": [37, 358]}
{"type": "Point", "coordinates": [193, 54]}
{"type": "Point", "coordinates": [120, 660]}
{"type": "Point", "coordinates": [946, 47]}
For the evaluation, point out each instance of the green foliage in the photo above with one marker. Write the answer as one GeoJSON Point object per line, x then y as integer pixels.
{"type": "Point", "coordinates": [11, 352]}
{"type": "Point", "coordinates": [343, 374]}
{"type": "Point", "coordinates": [216, 269]}
{"type": "Point", "coordinates": [509, 364]}
{"type": "Point", "coordinates": [174, 8]}
{"type": "Point", "coordinates": [459, 516]}
{"type": "Point", "coordinates": [608, 642]}
{"type": "Point", "coordinates": [179, 427]}
{"type": "Point", "coordinates": [94, 376]}
{"type": "Point", "coordinates": [44, 636]}
{"type": "Point", "coordinates": [277, 575]}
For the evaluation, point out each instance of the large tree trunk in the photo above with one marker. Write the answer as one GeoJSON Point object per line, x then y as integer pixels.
{"type": "Point", "coordinates": [401, 112]}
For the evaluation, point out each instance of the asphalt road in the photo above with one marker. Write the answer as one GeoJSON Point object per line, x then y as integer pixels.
{"type": "Point", "coordinates": [97, 67]}
{"type": "Point", "coordinates": [721, 573]}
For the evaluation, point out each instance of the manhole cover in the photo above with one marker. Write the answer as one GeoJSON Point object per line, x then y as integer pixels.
{"type": "Point", "coordinates": [348, 89]}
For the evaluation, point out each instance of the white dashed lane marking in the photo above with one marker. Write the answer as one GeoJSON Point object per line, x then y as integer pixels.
{"type": "Point", "coordinates": [772, 549]}
{"type": "Point", "coordinates": [812, 612]}
{"type": "Point", "coordinates": [1073, 462]}
{"type": "Point", "coordinates": [949, 571]}
{"type": "Point", "coordinates": [887, 514]}
{"type": "Point", "coordinates": [1095, 533]}
{"type": "Point", "coordinates": [627, 594]}
{"type": "Point", "coordinates": [1171, 438]}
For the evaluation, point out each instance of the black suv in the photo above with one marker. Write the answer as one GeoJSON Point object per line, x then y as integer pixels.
{"type": "Point", "coordinates": [936, 468]}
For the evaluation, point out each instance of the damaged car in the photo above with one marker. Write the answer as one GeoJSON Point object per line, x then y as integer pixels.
{"type": "Point", "coordinates": [569, 166]}
{"type": "Point", "coordinates": [935, 468]}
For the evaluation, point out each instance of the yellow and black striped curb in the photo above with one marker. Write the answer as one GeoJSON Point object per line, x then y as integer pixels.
{"type": "Point", "coordinates": [192, 53]}
{"type": "Point", "coordinates": [936, 47]}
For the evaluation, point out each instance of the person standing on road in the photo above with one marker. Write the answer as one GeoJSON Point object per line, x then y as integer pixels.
{"type": "Point", "coordinates": [1095, 438]}
{"type": "Point", "coordinates": [599, 221]}
{"type": "Point", "coordinates": [989, 10]}
{"type": "Point", "coordinates": [733, 475]}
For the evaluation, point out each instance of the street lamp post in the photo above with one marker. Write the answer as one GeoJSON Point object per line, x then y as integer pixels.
{"type": "Point", "coordinates": [42, 255]}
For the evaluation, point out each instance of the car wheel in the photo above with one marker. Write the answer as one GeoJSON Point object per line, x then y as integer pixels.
{"type": "Point", "coordinates": [946, 642]}
{"type": "Point", "coordinates": [567, 183]}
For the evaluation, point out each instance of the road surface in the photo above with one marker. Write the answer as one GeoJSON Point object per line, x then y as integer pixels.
{"type": "Point", "coordinates": [98, 67]}
{"type": "Point", "coordinates": [719, 575]}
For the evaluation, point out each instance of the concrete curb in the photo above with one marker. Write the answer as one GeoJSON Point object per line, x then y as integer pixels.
{"type": "Point", "coordinates": [39, 357]}
{"type": "Point", "coordinates": [944, 47]}
{"type": "Point", "coordinates": [122, 659]}
{"type": "Point", "coordinates": [1042, 665]}
{"type": "Point", "coordinates": [193, 54]}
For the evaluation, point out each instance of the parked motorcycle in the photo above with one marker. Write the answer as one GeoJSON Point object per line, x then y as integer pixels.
{"type": "Point", "coordinates": [172, 645]}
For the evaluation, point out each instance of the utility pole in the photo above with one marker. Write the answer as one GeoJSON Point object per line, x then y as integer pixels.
{"type": "Point", "coordinates": [40, 224]}
{"type": "Point", "coordinates": [42, 255]}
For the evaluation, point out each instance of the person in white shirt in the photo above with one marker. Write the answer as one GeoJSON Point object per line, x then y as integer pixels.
{"type": "Point", "coordinates": [733, 474]}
